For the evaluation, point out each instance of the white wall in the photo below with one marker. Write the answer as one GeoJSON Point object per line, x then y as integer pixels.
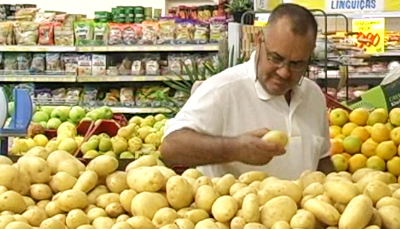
{"type": "Point", "coordinates": [87, 6]}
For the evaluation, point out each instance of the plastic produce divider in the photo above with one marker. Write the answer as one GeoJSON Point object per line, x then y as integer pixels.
{"type": "Point", "coordinates": [88, 126]}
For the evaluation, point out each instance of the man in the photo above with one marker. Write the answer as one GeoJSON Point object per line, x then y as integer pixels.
{"type": "Point", "coordinates": [220, 127]}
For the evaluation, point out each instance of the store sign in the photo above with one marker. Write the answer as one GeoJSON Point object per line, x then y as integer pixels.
{"type": "Point", "coordinates": [371, 34]}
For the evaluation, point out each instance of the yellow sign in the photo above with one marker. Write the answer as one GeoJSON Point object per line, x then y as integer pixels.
{"type": "Point", "coordinates": [371, 34]}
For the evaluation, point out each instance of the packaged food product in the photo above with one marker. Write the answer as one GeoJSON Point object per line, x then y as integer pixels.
{"type": "Point", "coordinates": [99, 65]}
{"type": "Point", "coordinates": [38, 64]}
{"type": "Point", "coordinates": [100, 36]}
{"type": "Point", "coordinates": [26, 32]}
{"type": "Point", "coordinates": [43, 96]}
{"type": "Point", "coordinates": [85, 65]}
{"type": "Point", "coordinates": [184, 31]}
{"type": "Point", "coordinates": [1, 61]}
{"type": "Point", "coordinates": [10, 62]}
{"type": "Point", "coordinates": [89, 95]}
{"type": "Point", "coordinates": [26, 14]}
{"type": "Point", "coordinates": [137, 67]}
{"type": "Point", "coordinates": [150, 31]}
{"type": "Point", "coordinates": [201, 32]}
{"type": "Point", "coordinates": [218, 29]}
{"type": "Point", "coordinates": [127, 96]}
{"type": "Point", "coordinates": [46, 34]}
{"type": "Point", "coordinates": [112, 71]}
{"type": "Point", "coordinates": [125, 67]}
{"type": "Point", "coordinates": [151, 65]}
{"type": "Point", "coordinates": [112, 97]}
{"type": "Point", "coordinates": [53, 62]}
{"type": "Point", "coordinates": [63, 35]}
{"type": "Point", "coordinates": [115, 37]}
{"type": "Point", "coordinates": [59, 95]}
{"type": "Point", "coordinates": [41, 17]}
{"type": "Point", "coordinates": [6, 33]}
{"type": "Point", "coordinates": [70, 62]}
{"type": "Point", "coordinates": [167, 30]}
{"type": "Point", "coordinates": [174, 64]}
{"type": "Point", "coordinates": [72, 96]}
{"type": "Point", "coordinates": [83, 32]}
{"type": "Point", "coordinates": [131, 34]}
{"type": "Point", "coordinates": [24, 61]}
{"type": "Point", "coordinates": [182, 12]}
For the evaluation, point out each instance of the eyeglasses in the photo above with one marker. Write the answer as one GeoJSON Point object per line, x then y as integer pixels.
{"type": "Point", "coordinates": [280, 62]}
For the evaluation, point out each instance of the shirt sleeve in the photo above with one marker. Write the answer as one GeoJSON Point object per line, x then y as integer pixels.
{"type": "Point", "coordinates": [203, 112]}
{"type": "Point", "coordinates": [325, 150]}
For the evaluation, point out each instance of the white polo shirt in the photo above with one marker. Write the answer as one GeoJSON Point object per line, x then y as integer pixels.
{"type": "Point", "coordinates": [233, 102]}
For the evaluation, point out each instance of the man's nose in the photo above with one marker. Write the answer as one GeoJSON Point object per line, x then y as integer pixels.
{"type": "Point", "coordinates": [284, 72]}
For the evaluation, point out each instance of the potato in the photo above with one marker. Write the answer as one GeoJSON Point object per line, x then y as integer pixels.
{"type": "Point", "coordinates": [86, 227]}
{"type": "Point", "coordinates": [250, 177]}
{"type": "Point", "coordinates": [40, 192]}
{"type": "Point", "coordinates": [281, 208]}
{"type": "Point", "coordinates": [76, 218]}
{"type": "Point", "coordinates": [96, 192]}
{"type": "Point", "coordinates": [103, 223]}
{"type": "Point", "coordinates": [122, 218]}
{"type": "Point", "coordinates": [255, 226]}
{"type": "Point", "coordinates": [322, 211]}
{"type": "Point", "coordinates": [250, 207]}
{"type": "Point", "coordinates": [125, 198]}
{"type": "Point", "coordinates": [255, 184]}
{"type": "Point", "coordinates": [8, 173]}
{"type": "Point", "coordinates": [314, 189]}
{"type": "Point", "coordinates": [62, 181]}
{"type": "Point", "coordinates": [18, 225]}
{"type": "Point", "coordinates": [37, 168]}
{"type": "Point", "coordinates": [341, 192]}
{"type": "Point", "coordinates": [396, 194]}
{"type": "Point", "coordinates": [224, 208]}
{"type": "Point", "coordinates": [61, 217]}
{"type": "Point", "coordinates": [240, 194]}
{"type": "Point", "coordinates": [106, 199]}
{"type": "Point", "coordinates": [38, 151]}
{"type": "Point", "coordinates": [170, 226]}
{"type": "Point", "coordinates": [206, 224]}
{"type": "Point", "coordinates": [43, 203]}
{"type": "Point", "coordinates": [23, 183]}
{"type": "Point", "coordinates": [12, 201]}
{"type": "Point", "coordinates": [201, 181]}
{"type": "Point", "coordinates": [116, 182]}
{"type": "Point", "coordinates": [28, 201]}
{"type": "Point", "coordinates": [35, 216]}
{"type": "Point", "coordinates": [140, 204]}
{"type": "Point", "coordinates": [52, 209]}
{"type": "Point", "coordinates": [4, 160]}
{"type": "Point", "coordinates": [324, 198]}
{"type": "Point", "coordinates": [360, 173]}
{"type": "Point", "coordinates": [89, 207]}
{"type": "Point", "coordinates": [303, 219]}
{"type": "Point", "coordinates": [205, 197]}
{"type": "Point", "coordinates": [146, 179]}
{"type": "Point", "coordinates": [193, 173]}
{"type": "Point", "coordinates": [376, 190]}
{"type": "Point", "coordinates": [96, 213]}
{"type": "Point", "coordinates": [340, 207]}
{"type": "Point", "coordinates": [375, 218]}
{"type": "Point", "coordinates": [121, 225]}
{"type": "Point", "coordinates": [184, 224]}
{"type": "Point", "coordinates": [70, 166]}
{"type": "Point", "coordinates": [264, 196]}
{"type": "Point", "coordinates": [72, 199]}
{"type": "Point", "coordinates": [140, 222]}
{"type": "Point", "coordinates": [10, 212]}
{"type": "Point", "coordinates": [51, 223]}
{"type": "Point", "coordinates": [196, 215]}
{"type": "Point", "coordinates": [394, 187]}
{"type": "Point", "coordinates": [224, 184]}
{"type": "Point", "coordinates": [145, 160]}
{"type": "Point", "coordinates": [86, 181]}
{"type": "Point", "coordinates": [372, 227]}
{"type": "Point", "coordinates": [103, 165]}
{"type": "Point", "coordinates": [6, 219]}
{"type": "Point", "coordinates": [56, 196]}
{"type": "Point", "coordinates": [390, 216]}
{"type": "Point", "coordinates": [3, 189]}
{"type": "Point", "coordinates": [181, 212]}
{"type": "Point", "coordinates": [222, 225]}
{"type": "Point", "coordinates": [357, 214]}
{"type": "Point", "coordinates": [281, 225]}
{"type": "Point", "coordinates": [164, 216]}
{"type": "Point", "coordinates": [236, 187]}
{"type": "Point", "coordinates": [114, 210]}
{"type": "Point", "coordinates": [20, 218]}
{"type": "Point", "coordinates": [282, 188]}
{"type": "Point", "coordinates": [312, 177]}
{"type": "Point", "coordinates": [385, 201]}
{"type": "Point", "coordinates": [373, 176]}
{"type": "Point", "coordinates": [238, 223]}
{"type": "Point", "coordinates": [179, 192]}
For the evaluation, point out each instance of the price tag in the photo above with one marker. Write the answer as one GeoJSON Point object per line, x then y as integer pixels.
{"type": "Point", "coordinates": [371, 34]}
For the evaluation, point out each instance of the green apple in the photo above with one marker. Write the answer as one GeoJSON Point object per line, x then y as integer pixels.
{"type": "Point", "coordinates": [104, 135]}
{"type": "Point", "coordinates": [126, 155]}
{"type": "Point", "coordinates": [90, 145]}
{"type": "Point", "coordinates": [11, 108]}
{"type": "Point", "coordinates": [43, 124]}
{"type": "Point", "coordinates": [61, 113]}
{"type": "Point", "coordinates": [77, 113]}
{"type": "Point", "coordinates": [94, 115]}
{"type": "Point", "coordinates": [91, 154]}
{"type": "Point", "coordinates": [107, 112]}
{"type": "Point", "coordinates": [69, 145]}
{"type": "Point", "coordinates": [40, 116]}
{"type": "Point", "coordinates": [53, 123]}
{"type": "Point", "coordinates": [159, 117]}
{"type": "Point", "coordinates": [111, 153]}
{"type": "Point", "coordinates": [158, 125]}
{"type": "Point", "coordinates": [48, 110]}
{"type": "Point", "coordinates": [105, 144]}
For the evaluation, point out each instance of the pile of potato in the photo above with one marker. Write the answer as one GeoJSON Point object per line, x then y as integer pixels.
{"type": "Point", "coordinates": [56, 191]}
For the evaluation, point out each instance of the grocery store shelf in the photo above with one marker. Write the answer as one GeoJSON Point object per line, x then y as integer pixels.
{"type": "Point", "coordinates": [149, 48]}
{"type": "Point", "coordinates": [388, 53]}
{"type": "Point", "coordinates": [139, 110]}
{"type": "Point", "coordinates": [359, 80]}
{"type": "Point", "coordinates": [125, 78]}
{"type": "Point", "coordinates": [16, 48]}
{"type": "Point", "coordinates": [38, 78]}
{"type": "Point", "coordinates": [391, 14]}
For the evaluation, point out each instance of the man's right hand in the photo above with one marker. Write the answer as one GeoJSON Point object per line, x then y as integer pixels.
{"type": "Point", "coordinates": [254, 151]}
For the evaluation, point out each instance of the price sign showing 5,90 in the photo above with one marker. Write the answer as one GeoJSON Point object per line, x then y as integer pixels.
{"type": "Point", "coordinates": [371, 33]}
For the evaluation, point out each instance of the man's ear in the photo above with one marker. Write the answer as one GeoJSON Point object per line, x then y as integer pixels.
{"type": "Point", "coordinates": [260, 37]}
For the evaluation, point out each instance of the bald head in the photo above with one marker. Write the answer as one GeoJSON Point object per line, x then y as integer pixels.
{"type": "Point", "coordinates": [298, 19]}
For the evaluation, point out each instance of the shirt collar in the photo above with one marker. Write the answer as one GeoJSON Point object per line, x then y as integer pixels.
{"type": "Point", "coordinates": [260, 91]}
